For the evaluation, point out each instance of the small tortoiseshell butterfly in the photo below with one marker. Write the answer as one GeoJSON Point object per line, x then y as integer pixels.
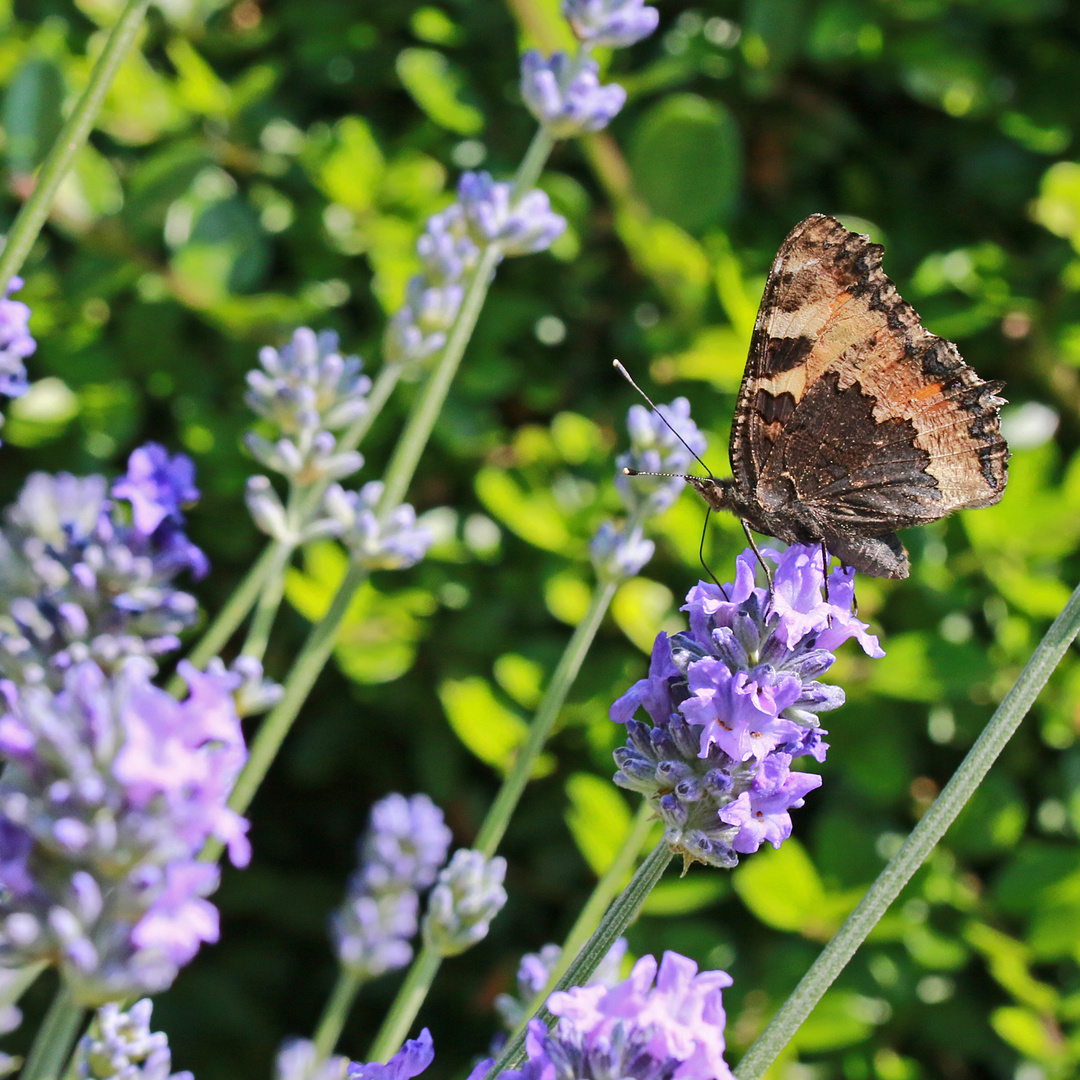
{"type": "Point", "coordinates": [853, 420]}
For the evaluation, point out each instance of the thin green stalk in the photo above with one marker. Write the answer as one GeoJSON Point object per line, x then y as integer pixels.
{"type": "Point", "coordinates": [231, 615]}
{"type": "Point", "coordinates": [917, 847]}
{"type": "Point", "coordinates": [619, 916]}
{"type": "Point", "coordinates": [335, 1013]}
{"type": "Point", "coordinates": [305, 670]}
{"type": "Point", "coordinates": [72, 137]}
{"type": "Point", "coordinates": [593, 911]}
{"type": "Point", "coordinates": [406, 1005]}
{"type": "Point", "coordinates": [498, 816]}
{"type": "Point", "coordinates": [266, 609]}
{"type": "Point", "coordinates": [55, 1037]}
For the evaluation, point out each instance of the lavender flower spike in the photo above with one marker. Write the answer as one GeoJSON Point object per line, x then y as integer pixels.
{"type": "Point", "coordinates": [526, 226]}
{"type": "Point", "coordinates": [111, 788]}
{"type": "Point", "coordinates": [395, 543]}
{"type": "Point", "coordinates": [565, 96]}
{"type": "Point", "coordinates": [618, 553]}
{"type": "Point", "coordinates": [16, 344]}
{"type": "Point", "coordinates": [654, 448]}
{"type": "Point", "coordinates": [124, 1048]}
{"type": "Point", "coordinates": [734, 701]}
{"type": "Point", "coordinates": [612, 24]}
{"type": "Point", "coordinates": [664, 1022]}
{"type": "Point", "coordinates": [401, 852]}
{"type": "Point", "coordinates": [468, 896]}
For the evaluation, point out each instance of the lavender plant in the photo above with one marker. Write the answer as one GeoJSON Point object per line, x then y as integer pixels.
{"type": "Point", "coordinates": [116, 797]}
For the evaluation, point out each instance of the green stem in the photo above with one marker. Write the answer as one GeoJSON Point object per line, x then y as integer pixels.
{"type": "Point", "coordinates": [305, 670]}
{"type": "Point", "coordinates": [619, 916]}
{"type": "Point", "coordinates": [335, 1014]}
{"type": "Point", "coordinates": [231, 615]}
{"type": "Point", "coordinates": [498, 816]}
{"type": "Point", "coordinates": [69, 142]}
{"type": "Point", "coordinates": [269, 601]}
{"type": "Point", "coordinates": [917, 847]}
{"type": "Point", "coordinates": [596, 905]}
{"type": "Point", "coordinates": [55, 1037]}
{"type": "Point", "coordinates": [406, 1005]}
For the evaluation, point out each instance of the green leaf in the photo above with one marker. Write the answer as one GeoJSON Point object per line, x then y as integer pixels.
{"type": "Point", "coordinates": [683, 896]}
{"type": "Point", "coordinates": [598, 818]}
{"type": "Point", "coordinates": [484, 725]}
{"type": "Point", "coordinates": [686, 158]}
{"type": "Point", "coordinates": [437, 86]}
{"type": "Point", "coordinates": [640, 608]}
{"type": "Point", "coordinates": [567, 597]}
{"type": "Point", "coordinates": [352, 171]}
{"type": "Point", "coordinates": [672, 258]}
{"type": "Point", "coordinates": [532, 515]}
{"type": "Point", "coordinates": [841, 1018]}
{"type": "Point", "coordinates": [782, 888]}
{"type": "Point", "coordinates": [521, 678]}
{"type": "Point", "coordinates": [1028, 1033]}
{"type": "Point", "coordinates": [31, 113]}
{"type": "Point", "coordinates": [992, 821]}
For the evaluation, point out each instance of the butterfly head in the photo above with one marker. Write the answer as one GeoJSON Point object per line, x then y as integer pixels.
{"type": "Point", "coordinates": [719, 494]}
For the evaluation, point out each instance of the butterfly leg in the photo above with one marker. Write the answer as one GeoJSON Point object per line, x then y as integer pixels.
{"type": "Point", "coordinates": [701, 556]}
{"type": "Point", "coordinates": [764, 565]}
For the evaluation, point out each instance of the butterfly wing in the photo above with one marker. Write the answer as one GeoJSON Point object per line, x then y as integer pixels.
{"type": "Point", "coordinates": [851, 414]}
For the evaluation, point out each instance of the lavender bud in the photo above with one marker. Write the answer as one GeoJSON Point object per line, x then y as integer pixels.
{"type": "Point", "coordinates": [612, 24]}
{"type": "Point", "coordinates": [527, 226]}
{"type": "Point", "coordinates": [565, 96]}
{"type": "Point", "coordinates": [469, 894]}
{"type": "Point", "coordinates": [267, 510]}
{"type": "Point", "coordinates": [124, 1047]}
{"type": "Point", "coordinates": [393, 543]}
{"type": "Point", "coordinates": [617, 555]}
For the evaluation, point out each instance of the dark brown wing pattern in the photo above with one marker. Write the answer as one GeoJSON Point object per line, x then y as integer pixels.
{"type": "Point", "coordinates": [850, 412]}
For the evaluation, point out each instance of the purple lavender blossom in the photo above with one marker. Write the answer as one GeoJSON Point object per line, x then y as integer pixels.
{"type": "Point", "coordinates": [618, 552]}
{"type": "Point", "coordinates": [653, 448]}
{"type": "Point", "coordinates": [663, 1023]}
{"type": "Point", "coordinates": [394, 543]}
{"type": "Point", "coordinates": [81, 578]}
{"type": "Point", "coordinates": [445, 248]}
{"type": "Point", "coordinates": [519, 227]}
{"type": "Point", "coordinates": [612, 24]}
{"type": "Point", "coordinates": [469, 894]}
{"type": "Point", "coordinates": [307, 391]}
{"type": "Point", "coordinates": [734, 700]}
{"type": "Point", "coordinates": [401, 852]}
{"type": "Point", "coordinates": [111, 788]}
{"type": "Point", "coordinates": [411, 1060]}
{"type": "Point", "coordinates": [157, 486]}
{"type": "Point", "coordinates": [535, 970]}
{"type": "Point", "coordinates": [16, 344]}
{"type": "Point", "coordinates": [565, 96]}
{"type": "Point", "coordinates": [121, 1046]}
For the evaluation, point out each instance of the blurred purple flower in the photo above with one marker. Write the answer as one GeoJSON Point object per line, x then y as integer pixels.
{"type": "Point", "coordinates": [612, 24]}
{"type": "Point", "coordinates": [734, 700]}
{"type": "Point", "coordinates": [15, 342]}
{"type": "Point", "coordinates": [411, 1060]}
{"type": "Point", "coordinates": [519, 227]}
{"type": "Point", "coordinates": [468, 895]}
{"type": "Point", "coordinates": [565, 96]}
{"type": "Point", "coordinates": [121, 1046]}
{"type": "Point", "coordinates": [111, 789]}
{"type": "Point", "coordinates": [81, 578]}
{"type": "Point", "coordinates": [394, 543]}
{"type": "Point", "coordinates": [617, 553]}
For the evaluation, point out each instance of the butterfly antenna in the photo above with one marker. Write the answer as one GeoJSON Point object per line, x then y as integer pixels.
{"type": "Point", "coordinates": [701, 556]}
{"type": "Point", "coordinates": [626, 375]}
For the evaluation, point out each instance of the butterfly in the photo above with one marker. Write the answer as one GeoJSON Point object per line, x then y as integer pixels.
{"type": "Point", "coordinates": [853, 420]}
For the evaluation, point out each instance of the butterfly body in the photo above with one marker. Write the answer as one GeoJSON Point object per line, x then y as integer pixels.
{"type": "Point", "coordinates": [852, 419]}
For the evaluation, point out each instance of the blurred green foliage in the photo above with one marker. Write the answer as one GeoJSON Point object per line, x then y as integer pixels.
{"type": "Point", "coordinates": [262, 165]}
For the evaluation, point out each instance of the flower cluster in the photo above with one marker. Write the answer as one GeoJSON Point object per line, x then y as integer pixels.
{"type": "Point", "coordinates": [16, 344]}
{"type": "Point", "coordinates": [401, 853]}
{"type": "Point", "coordinates": [564, 92]}
{"type": "Point", "coordinates": [87, 573]}
{"type": "Point", "coordinates": [124, 1048]}
{"type": "Point", "coordinates": [535, 970]}
{"type": "Point", "coordinates": [484, 214]}
{"type": "Point", "coordinates": [664, 1022]}
{"type": "Point", "coordinates": [394, 543]}
{"type": "Point", "coordinates": [620, 552]}
{"type": "Point", "coordinates": [307, 390]}
{"type": "Point", "coordinates": [469, 894]}
{"type": "Point", "coordinates": [111, 787]}
{"type": "Point", "coordinates": [734, 701]}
